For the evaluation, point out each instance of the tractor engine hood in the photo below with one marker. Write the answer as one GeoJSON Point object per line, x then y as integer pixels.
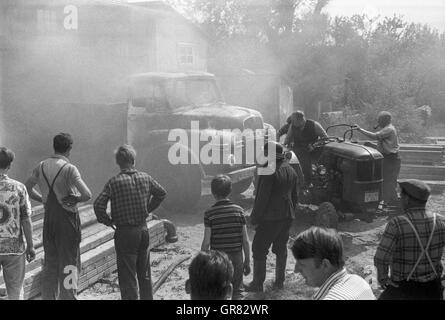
{"type": "Point", "coordinates": [353, 151]}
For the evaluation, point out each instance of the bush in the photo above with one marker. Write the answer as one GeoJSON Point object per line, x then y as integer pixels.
{"type": "Point", "coordinates": [404, 117]}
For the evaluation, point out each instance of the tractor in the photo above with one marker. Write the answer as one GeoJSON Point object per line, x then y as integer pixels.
{"type": "Point", "coordinates": [346, 179]}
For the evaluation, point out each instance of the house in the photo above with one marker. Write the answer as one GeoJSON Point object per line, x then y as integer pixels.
{"type": "Point", "coordinates": [79, 50]}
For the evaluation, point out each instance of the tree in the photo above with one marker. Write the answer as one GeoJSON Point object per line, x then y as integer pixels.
{"type": "Point", "coordinates": [359, 62]}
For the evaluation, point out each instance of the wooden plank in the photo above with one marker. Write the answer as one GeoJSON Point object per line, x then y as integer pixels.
{"type": "Point", "coordinates": [421, 156]}
{"type": "Point", "coordinates": [407, 175]}
{"type": "Point", "coordinates": [101, 258]}
{"type": "Point", "coordinates": [38, 211]}
{"type": "Point", "coordinates": [88, 243]}
{"type": "Point", "coordinates": [425, 147]}
{"type": "Point", "coordinates": [88, 218]}
{"type": "Point", "coordinates": [438, 171]}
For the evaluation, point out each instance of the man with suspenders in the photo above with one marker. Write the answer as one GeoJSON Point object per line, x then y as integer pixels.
{"type": "Point", "coordinates": [62, 189]}
{"type": "Point", "coordinates": [408, 258]}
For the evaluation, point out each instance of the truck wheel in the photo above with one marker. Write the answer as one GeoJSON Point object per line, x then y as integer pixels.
{"type": "Point", "coordinates": [182, 181]}
{"type": "Point", "coordinates": [326, 216]}
{"type": "Point", "coordinates": [241, 186]}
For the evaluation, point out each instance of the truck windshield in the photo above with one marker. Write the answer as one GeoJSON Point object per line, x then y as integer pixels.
{"type": "Point", "coordinates": [191, 92]}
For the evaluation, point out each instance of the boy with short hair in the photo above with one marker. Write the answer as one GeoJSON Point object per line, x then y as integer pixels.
{"type": "Point", "coordinates": [225, 230]}
{"type": "Point", "coordinates": [210, 276]}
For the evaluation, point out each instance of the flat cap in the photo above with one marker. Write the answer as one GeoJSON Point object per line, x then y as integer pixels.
{"type": "Point", "coordinates": [415, 188]}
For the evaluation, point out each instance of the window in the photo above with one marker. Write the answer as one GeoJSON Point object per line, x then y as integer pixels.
{"type": "Point", "coordinates": [149, 95]}
{"type": "Point", "coordinates": [46, 21]}
{"type": "Point", "coordinates": [186, 54]}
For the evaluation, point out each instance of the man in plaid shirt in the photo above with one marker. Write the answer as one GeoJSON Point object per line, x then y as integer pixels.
{"type": "Point", "coordinates": [411, 249]}
{"type": "Point", "coordinates": [133, 195]}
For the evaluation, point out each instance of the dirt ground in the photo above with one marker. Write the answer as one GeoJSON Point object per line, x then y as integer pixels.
{"type": "Point", "coordinates": [360, 241]}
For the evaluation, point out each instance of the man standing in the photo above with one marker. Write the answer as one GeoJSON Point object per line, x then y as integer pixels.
{"type": "Point", "coordinates": [133, 195]}
{"type": "Point", "coordinates": [388, 146]}
{"type": "Point", "coordinates": [272, 213]}
{"type": "Point", "coordinates": [301, 133]}
{"type": "Point", "coordinates": [62, 189]}
{"type": "Point", "coordinates": [412, 246]}
{"type": "Point", "coordinates": [319, 258]}
{"type": "Point", "coordinates": [15, 219]}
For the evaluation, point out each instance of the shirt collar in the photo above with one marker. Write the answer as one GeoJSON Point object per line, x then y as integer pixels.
{"type": "Point", "coordinates": [415, 209]}
{"type": "Point", "coordinates": [327, 285]}
{"type": "Point", "coordinates": [59, 156]}
{"type": "Point", "coordinates": [223, 201]}
{"type": "Point", "coordinates": [128, 171]}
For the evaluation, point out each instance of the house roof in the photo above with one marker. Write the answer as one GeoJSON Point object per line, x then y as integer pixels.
{"type": "Point", "coordinates": [156, 8]}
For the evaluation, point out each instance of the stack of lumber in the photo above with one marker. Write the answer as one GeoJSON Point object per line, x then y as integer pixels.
{"type": "Point", "coordinates": [422, 161]}
{"type": "Point", "coordinates": [98, 256]}
{"type": "Point", "coordinates": [422, 154]}
{"type": "Point", "coordinates": [436, 140]}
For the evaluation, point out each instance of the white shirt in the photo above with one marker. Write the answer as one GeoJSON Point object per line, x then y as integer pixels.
{"type": "Point", "coordinates": [344, 286]}
{"type": "Point", "coordinates": [387, 141]}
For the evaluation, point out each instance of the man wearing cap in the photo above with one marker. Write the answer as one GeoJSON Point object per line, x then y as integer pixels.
{"type": "Point", "coordinates": [388, 145]}
{"type": "Point", "coordinates": [411, 247]}
{"type": "Point", "coordinates": [301, 133]}
{"type": "Point", "coordinates": [272, 214]}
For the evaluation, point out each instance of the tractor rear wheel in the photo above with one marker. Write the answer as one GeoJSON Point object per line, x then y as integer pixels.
{"type": "Point", "coordinates": [326, 216]}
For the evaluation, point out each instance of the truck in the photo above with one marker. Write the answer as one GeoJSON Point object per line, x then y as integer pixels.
{"type": "Point", "coordinates": [160, 104]}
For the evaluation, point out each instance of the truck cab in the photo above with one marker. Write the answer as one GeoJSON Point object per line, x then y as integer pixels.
{"type": "Point", "coordinates": [171, 113]}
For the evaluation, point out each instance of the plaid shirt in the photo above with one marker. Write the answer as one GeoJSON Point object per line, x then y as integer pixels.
{"type": "Point", "coordinates": [399, 248]}
{"type": "Point", "coordinates": [133, 196]}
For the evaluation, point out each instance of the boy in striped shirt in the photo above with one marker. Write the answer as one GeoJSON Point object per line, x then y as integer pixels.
{"type": "Point", "coordinates": [226, 231]}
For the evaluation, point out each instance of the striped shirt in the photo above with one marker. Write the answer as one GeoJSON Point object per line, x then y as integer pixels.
{"type": "Point", "coordinates": [399, 249]}
{"type": "Point", "coordinates": [226, 220]}
{"type": "Point", "coordinates": [344, 286]}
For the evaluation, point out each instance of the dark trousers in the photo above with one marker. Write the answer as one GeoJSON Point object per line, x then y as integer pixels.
{"type": "Point", "coordinates": [410, 290]}
{"type": "Point", "coordinates": [391, 169]}
{"type": "Point", "coordinates": [305, 159]}
{"type": "Point", "coordinates": [133, 262]}
{"type": "Point", "coordinates": [237, 262]}
{"type": "Point", "coordinates": [267, 233]}
{"type": "Point", "coordinates": [61, 240]}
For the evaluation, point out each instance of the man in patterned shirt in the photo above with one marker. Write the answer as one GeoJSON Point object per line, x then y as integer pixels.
{"type": "Point", "coordinates": [15, 219]}
{"type": "Point", "coordinates": [133, 195]}
{"type": "Point", "coordinates": [411, 248]}
{"type": "Point", "coordinates": [319, 258]}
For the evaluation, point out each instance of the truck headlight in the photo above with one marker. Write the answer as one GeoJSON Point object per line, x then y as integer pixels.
{"type": "Point", "coordinates": [321, 170]}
